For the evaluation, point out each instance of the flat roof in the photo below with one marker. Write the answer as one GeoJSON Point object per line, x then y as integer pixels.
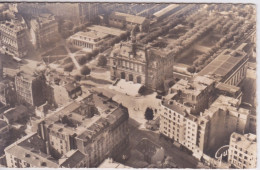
{"type": "Point", "coordinates": [29, 148]}
{"type": "Point", "coordinates": [107, 30]}
{"type": "Point", "coordinates": [247, 141]}
{"type": "Point", "coordinates": [79, 123]}
{"type": "Point", "coordinates": [128, 17]}
{"type": "Point", "coordinates": [224, 63]}
{"type": "Point", "coordinates": [178, 108]}
{"type": "Point", "coordinates": [193, 86]}
{"type": "Point", "coordinates": [89, 34]}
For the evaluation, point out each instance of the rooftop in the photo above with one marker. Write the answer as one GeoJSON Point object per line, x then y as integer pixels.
{"type": "Point", "coordinates": [223, 65]}
{"type": "Point", "coordinates": [30, 149]}
{"type": "Point", "coordinates": [27, 73]}
{"type": "Point", "coordinates": [179, 108]}
{"type": "Point", "coordinates": [44, 19]}
{"type": "Point", "coordinates": [107, 30]}
{"type": "Point", "coordinates": [128, 17]}
{"type": "Point", "coordinates": [128, 50]}
{"type": "Point", "coordinates": [15, 112]}
{"type": "Point", "coordinates": [71, 86]}
{"type": "Point", "coordinates": [226, 103]}
{"type": "Point", "coordinates": [247, 141]}
{"type": "Point", "coordinates": [72, 158]}
{"type": "Point", "coordinates": [90, 34]}
{"type": "Point", "coordinates": [85, 118]}
{"type": "Point", "coordinates": [14, 25]}
{"type": "Point", "coordinates": [194, 86]}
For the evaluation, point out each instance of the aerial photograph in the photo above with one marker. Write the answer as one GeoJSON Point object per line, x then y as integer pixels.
{"type": "Point", "coordinates": [128, 85]}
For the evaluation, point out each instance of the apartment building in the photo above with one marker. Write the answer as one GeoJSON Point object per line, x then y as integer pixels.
{"type": "Point", "coordinates": [13, 37]}
{"type": "Point", "coordinates": [196, 93]}
{"type": "Point", "coordinates": [7, 93]}
{"type": "Point", "coordinates": [81, 134]}
{"type": "Point", "coordinates": [90, 40]}
{"type": "Point", "coordinates": [4, 134]}
{"type": "Point", "coordinates": [204, 133]}
{"type": "Point", "coordinates": [242, 151]}
{"type": "Point", "coordinates": [44, 30]}
{"type": "Point", "coordinates": [30, 87]}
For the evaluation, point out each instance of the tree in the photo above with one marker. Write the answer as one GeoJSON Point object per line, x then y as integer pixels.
{"type": "Point", "coordinates": [88, 56]}
{"type": "Point", "coordinates": [85, 70]}
{"type": "Point", "coordinates": [102, 61]}
{"type": "Point", "coordinates": [191, 69]}
{"type": "Point", "coordinates": [148, 114]}
{"type": "Point", "coordinates": [69, 67]}
{"type": "Point", "coordinates": [81, 59]}
{"type": "Point", "coordinates": [77, 77]}
{"type": "Point", "coordinates": [68, 25]}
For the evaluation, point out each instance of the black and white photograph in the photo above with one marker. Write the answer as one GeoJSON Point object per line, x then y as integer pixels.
{"type": "Point", "coordinates": [128, 85]}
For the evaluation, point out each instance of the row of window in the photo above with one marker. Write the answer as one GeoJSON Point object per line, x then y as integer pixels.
{"type": "Point", "coordinates": [83, 44]}
{"type": "Point", "coordinates": [131, 65]}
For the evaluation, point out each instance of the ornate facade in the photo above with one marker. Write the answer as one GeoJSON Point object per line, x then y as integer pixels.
{"type": "Point", "coordinates": [144, 65]}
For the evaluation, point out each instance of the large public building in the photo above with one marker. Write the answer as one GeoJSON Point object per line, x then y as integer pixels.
{"type": "Point", "coordinates": [140, 64]}
{"type": "Point", "coordinates": [229, 67]}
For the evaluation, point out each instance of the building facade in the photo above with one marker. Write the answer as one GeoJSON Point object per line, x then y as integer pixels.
{"type": "Point", "coordinates": [87, 40]}
{"type": "Point", "coordinates": [44, 30]}
{"type": "Point", "coordinates": [13, 38]}
{"type": "Point", "coordinates": [199, 133]}
{"type": "Point", "coordinates": [30, 88]}
{"type": "Point", "coordinates": [7, 93]}
{"type": "Point", "coordinates": [4, 135]}
{"type": "Point", "coordinates": [139, 64]}
{"type": "Point", "coordinates": [242, 151]}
